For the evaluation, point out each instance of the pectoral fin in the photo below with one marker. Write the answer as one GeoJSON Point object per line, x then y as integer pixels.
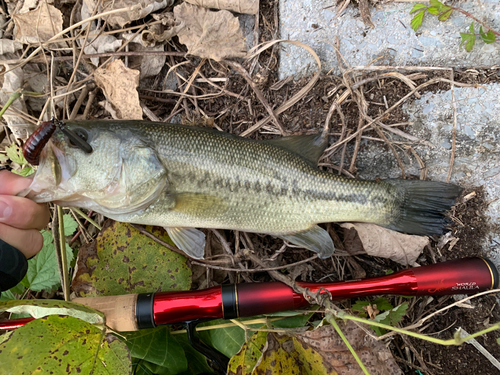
{"type": "Point", "coordinates": [315, 239]}
{"type": "Point", "coordinates": [189, 240]}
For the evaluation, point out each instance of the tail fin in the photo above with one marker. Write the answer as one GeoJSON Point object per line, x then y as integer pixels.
{"type": "Point", "coordinates": [422, 205]}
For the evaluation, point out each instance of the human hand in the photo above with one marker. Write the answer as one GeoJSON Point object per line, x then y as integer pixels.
{"type": "Point", "coordinates": [20, 218]}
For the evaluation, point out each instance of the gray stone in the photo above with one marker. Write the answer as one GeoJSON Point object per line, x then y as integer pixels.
{"type": "Point", "coordinates": [435, 44]}
{"type": "Point", "coordinates": [477, 153]}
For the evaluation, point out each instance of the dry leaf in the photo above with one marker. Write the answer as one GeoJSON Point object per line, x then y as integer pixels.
{"type": "Point", "coordinates": [119, 84]}
{"type": "Point", "coordinates": [385, 243]}
{"type": "Point", "coordinates": [371, 310]}
{"type": "Point", "coordinates": [9, 46]}
{"type": "Point", "coordinates": [148, 65]}
{"type": "Point", "coordinates": [102, 44]}
{"type": "Point", "coordinates": [38, 25]}
{"type": "Point", "coordinates": [364, 9]}
{"type": "Point", "coordinates": [160, 32]}
{"type": "Point", "coordinates": [239, 6]}
{"type": "Point", "coordinates": [374, 354]}
{"type": "Point", "coordinates": [138, 9]}
{"type": "Point", "coordinates": [215, 35]}
{"type": "Point", "coordinates": [12, 81]}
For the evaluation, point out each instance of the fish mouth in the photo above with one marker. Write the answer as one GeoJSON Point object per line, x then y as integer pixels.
{"type": "Point", "coordinates": [54, 169]}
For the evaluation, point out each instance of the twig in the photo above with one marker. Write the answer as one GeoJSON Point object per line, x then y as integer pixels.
{"type": "Point", "coordinates": [220, 88]}
{"type": "Point", "coordinates": [294, 99]}
{"type": "Point", "coordinates": [423, 85]}
{"type": "Point", "coordinates": [408, 344]}
{"type": "Point", "coordinates": [226, 247]}
{"type": "Point", "coordinates": [480, 348]}
{"type": "Point", "coordinates": [475, 19]}
{"type": "Point", "coordinates": [257, 91]}
{"type": "Point", "coordinates": [79, 212]}
{"type": "Point", "coordinates": [123, 53]}
{"type": "Point", "coordinates": [400, 163]}
{"type": "Point", "coordinates": [254, 270]}
{"type": "Point", "coordinates": [407, 363]}
{"type": "Point", "coordinates": [352, 167]}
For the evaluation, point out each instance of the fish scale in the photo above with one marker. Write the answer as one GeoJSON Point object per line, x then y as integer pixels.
{"type": "Point", "coordinates": [267, 189]}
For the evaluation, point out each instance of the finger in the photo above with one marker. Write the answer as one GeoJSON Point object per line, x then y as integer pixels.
{"type": "Point", "coordinates": [12, 184]}
{"type": "Point", "coordinates": [22, 213]}
{"type": "Point", "coordinates": [28, 241]}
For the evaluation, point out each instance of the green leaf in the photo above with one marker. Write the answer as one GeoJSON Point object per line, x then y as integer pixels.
{"type": "Point", "coordinates": [470, 43]}
{"type": "Point", "coordinates": [7, 295]}
{"type": "Point", "coordinates": [70, 225]}
{"type": "Point", "coordinates": [445, 15]}
{"type": "Point", "coordinates": [156, 370]}
{"type": "Point", "coordinates": [358, 306]}
{"type": "Point", "coordinates": [391, 317]}
{"type": "Point", "coordinates": [382, 304]}
{"type": "Point", "coordinates": [26, 171]}
{"type": "Point", "coordinates": [471, 28]}
{"type": "Point", "coordinates": [433, 10]}
{"type": "Point", "coordinates": [3, 158]}
{"type": "Point", "coordinates": [139, 367]}
{"type": "Point", "coordinates": [293, 322]}
{"type": "Point", "coordinates": [157, 346]}
{"type": "Point", "coordinates": [64, 344]}
{"type": "Point", "coordinates": [227, 340]}
{"type": "Point", "coordinates": [468, 40]}
{"type": "Point", "coordinates": [122, 260]}
{"type": "Point", "coordinates": [12, 293]}
{"type": "Point", "coordinates": [44, 307]}
{"type": "Point", "coordinates": [43, 273]}
{"type": "Point", "coordinates": [197, 362]}
{"type": "Point", "coordinates": [417, 7]}
{"type": "Point", "coordinates": [416, 21]}
{"type": "Point", "coordinates": [15, 154]}
{"type": "Point", "coordinates": [488, 37]}
{"type": "Point", "coordinates": [437, 4]}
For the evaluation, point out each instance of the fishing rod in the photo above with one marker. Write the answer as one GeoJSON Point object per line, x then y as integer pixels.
{"type": "Point", "coordinates": [132, 312]}
{"type": "Point", "coordinates": [147, 310]}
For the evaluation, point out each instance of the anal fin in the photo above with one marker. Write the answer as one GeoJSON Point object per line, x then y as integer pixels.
{"type": "Point", "coordinates": [189, 240]}
{"type": "Point", "coordinates": [315, 239]}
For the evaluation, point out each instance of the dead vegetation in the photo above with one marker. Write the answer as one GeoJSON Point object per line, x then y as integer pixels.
{"type": "Point", "coordinates": [131, 64]}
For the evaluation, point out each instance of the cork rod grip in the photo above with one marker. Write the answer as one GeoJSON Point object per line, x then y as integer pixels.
{"type": "Point", "coordinates": [119, 310]}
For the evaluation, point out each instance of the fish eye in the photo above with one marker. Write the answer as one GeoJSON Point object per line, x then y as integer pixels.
{"type": "Point", "coordinates": [82, 133]}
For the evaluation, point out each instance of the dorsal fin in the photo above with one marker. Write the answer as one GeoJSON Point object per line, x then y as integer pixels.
{"type": "Point", "coordinates": [309, 147]}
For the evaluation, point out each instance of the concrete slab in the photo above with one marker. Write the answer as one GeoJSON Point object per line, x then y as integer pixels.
{"type": "Point", "coordinates": [477, 154]}
{"type": "Point", "coordinates": [392, 41]}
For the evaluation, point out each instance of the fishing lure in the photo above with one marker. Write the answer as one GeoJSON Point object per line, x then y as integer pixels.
{"type": "Point", "coordinates": [37, 141]}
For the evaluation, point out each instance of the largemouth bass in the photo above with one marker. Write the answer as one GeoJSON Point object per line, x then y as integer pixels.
{"type": "Point", "coordinates": [184, 177]}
